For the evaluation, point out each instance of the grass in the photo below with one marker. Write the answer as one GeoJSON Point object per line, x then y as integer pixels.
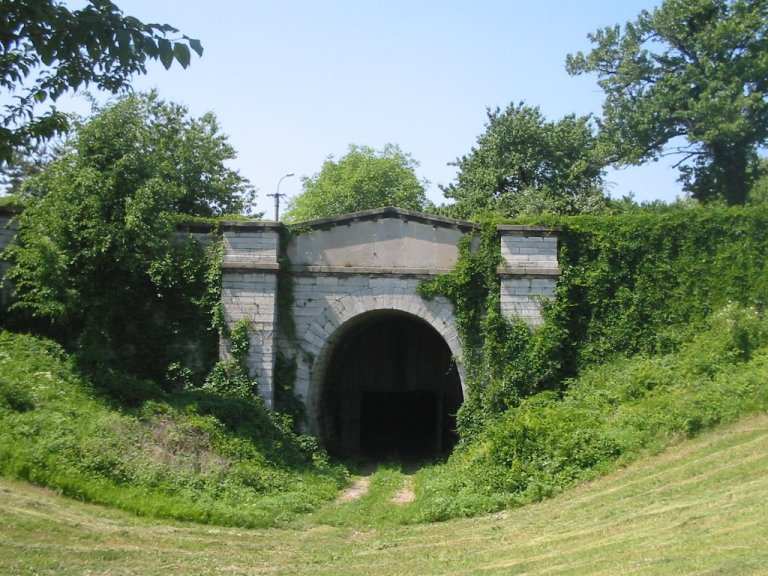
{"type": "Point", "coordinates": [213, 459]}
{"type": "Point", "coordinates": [191, 455]}
{"type": "Point", "coordinates": [699, 507]}
{"type": "Point", "coordinates": [609, 416]}
{"type": "Point", "coordinates": [374, 508]}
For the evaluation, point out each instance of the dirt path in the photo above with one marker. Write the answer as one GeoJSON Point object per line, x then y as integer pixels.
{"type": "Point", "coordinates": [406, 493]}
{"type": "Point", "coordinates": [357, 489]}
{"type": "Point", "coordinates": [360, 486]}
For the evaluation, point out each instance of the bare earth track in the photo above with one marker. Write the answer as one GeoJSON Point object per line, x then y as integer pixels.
{"type": "Point", "coordinates": [356, 490]}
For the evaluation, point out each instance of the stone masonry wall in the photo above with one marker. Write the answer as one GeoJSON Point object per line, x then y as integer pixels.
{"type": "Point", "coordinates": [326, 305]}
{"type": "Point", "coordinates": [249, 290]}
{"type": "Point", "coordinates": [347, 269]}
{"type": "Point", "coordinates": [529, 271]}
{"type": "Point", "coordinates": [8, 229]}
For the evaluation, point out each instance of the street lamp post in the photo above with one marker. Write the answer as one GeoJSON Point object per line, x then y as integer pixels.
{"type": "Point", "coordinates": [277, 196]}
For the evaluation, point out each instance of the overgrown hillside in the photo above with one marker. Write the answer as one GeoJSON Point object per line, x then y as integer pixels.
{"type": "Point", "coordinates": [658, 333]}
{"type": "Point", "coordinates": [609, 416]}
{"type": "Point", "coordinates": [189, 455]}
{"type": "Point", "coordinates": [699, 508]}
{"type": "Point", "coordinates": [644, 282]}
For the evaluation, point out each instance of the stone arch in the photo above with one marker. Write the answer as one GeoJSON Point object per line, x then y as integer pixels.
{"type": "Point", "coordinates": [319, 341]}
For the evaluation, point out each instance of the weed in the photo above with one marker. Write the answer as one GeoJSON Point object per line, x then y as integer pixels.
{"type": "Point", "coordinates": [193, 455]}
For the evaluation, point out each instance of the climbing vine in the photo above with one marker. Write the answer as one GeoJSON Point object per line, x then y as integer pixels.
{"type": "Point", "coordinates": [637, 283]}
{"type": "Point", "coordinates": [504, 361]}
{"type": "Point", "coordinates": [227, 377]}
{"type": "Point", "coordinates": [240, 341]}
{"type": "Point", "coordinates": [211, 299]}
{"type": "Point", "coordinates": [286, 400]}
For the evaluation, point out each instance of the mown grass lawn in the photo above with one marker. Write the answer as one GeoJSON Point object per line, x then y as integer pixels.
{"type": "Point", "coordinates": [700, 507]}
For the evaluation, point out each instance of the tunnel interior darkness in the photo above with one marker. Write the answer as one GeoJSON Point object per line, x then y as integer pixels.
{"type": "Point", "coordinates": [391, 390]}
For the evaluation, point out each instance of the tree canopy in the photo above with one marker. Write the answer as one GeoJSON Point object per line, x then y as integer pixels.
{"type": "Point", "coordinates": [758, 193]}
{"type": "Point", "coordinates": [524, 164]}
{"type": "Point", "coordinates": [362, 179]}
{"type": "Point", "coordinates": [688, 78]}
{"type": "Point", "coordinates": [97, 256]}
{"type": "Point", "coordinates": [48, 50]}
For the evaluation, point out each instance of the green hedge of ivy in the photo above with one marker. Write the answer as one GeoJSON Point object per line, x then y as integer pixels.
{"type": "Point", "coordinates": [639, 283]}
{"type": "Point", "coordinates": [636, 283]}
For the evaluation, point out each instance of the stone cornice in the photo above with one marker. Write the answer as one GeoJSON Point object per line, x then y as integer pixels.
{"type": "Point", "coordinates": [381, 213]}
{"type": "Point", "coordinates": [366, 270]}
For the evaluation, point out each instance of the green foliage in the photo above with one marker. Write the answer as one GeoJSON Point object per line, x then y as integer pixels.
{"type": "Point", "coordinates": [524, 164]}
{"type": "Point", "coordinates": [49, 49]}
{"type": "Point", "coordinates": [230, 378]}
{"type": "Point", "coordinates": [140, 143]}
{"type": "Point", "coordinates": [286, 401]}
{"type": "Point", "coordinates": [468, 287]}
{"type": "Point", "coordinates": [191, 455]}
{"type": "Point", "coordinates": [24, 164]}
{"type": "Point", "coordinates": [503, 361]}
{"type": "Point", "coordinates": [758, 194]}
{"type": "Point", "coordinates": [240, 340]}
{"type": "Point", "coordinates": [362, 179]}
{"type": "Point", "coordinates": [98, 261]}
{"type": "Point", "coordinates": [644, 282]}
{"type": "Point", "coordinates": [609, 416]}
{"type": "Point", "coordinates": [657, 331]}
{"type": "Point", "coordinates": [693, 69]}
{"type": "Point", "coordinates": [374, 508]}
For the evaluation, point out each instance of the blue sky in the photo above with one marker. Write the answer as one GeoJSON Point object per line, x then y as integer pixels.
{"type": "Point", "coordinates": [293, 81]}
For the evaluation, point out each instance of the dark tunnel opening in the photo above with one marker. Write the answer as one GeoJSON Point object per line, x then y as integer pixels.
{"type": "Point", "coordinates": [391, 391]}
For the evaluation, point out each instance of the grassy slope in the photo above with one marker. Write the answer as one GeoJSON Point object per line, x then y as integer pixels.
{"type": "Point", "coordinates": [214, 460]}
{"type": "Point", "coordinates": [189, 456]}
{"type": "Point", "coordinates": [700, 507]}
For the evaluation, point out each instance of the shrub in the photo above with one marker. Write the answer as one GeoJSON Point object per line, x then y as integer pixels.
{"type": "Point", "coordinates": [610, 415]}
{"type": "Point", "coordinates": [194, 455]}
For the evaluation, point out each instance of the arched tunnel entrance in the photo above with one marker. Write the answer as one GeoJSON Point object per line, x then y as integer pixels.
{"type": "Point", "coordinates": [391, 390]}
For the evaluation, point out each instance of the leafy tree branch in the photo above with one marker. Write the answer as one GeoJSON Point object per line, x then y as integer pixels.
{"type": "Point", "coordinates": [696, 69]}
{"type": "Point", "coordinates": [48, 50]}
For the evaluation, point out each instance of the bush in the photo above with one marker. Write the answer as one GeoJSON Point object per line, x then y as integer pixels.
{"type": "Point", "coordinates": [193, 455]}
{"type": "Point", "coordinates": [608, 416]}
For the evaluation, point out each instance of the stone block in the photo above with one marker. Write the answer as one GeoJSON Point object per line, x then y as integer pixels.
{"type": "Point", "coordinates": [326, 281]}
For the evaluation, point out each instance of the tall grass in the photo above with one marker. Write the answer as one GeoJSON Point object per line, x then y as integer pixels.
{"type": "Point", "coordinates": [607, 417]}
{"type": "Point", "coordinates": [699, 508]}
{"type": "Point", "coordinates": [191, 455]}
{"type": "Point", "coordinates": [202, 457]}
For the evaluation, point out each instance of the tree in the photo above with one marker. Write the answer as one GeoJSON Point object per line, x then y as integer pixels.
{"type": "Point", "coordinates": [98, 258]}
{"type": "Point", "coordinates": [694, 69]}
{"type": "Point", "coordinates": [525, 164]}
{"type": "Point", "coordinates": [758, 194]}
{"type": "Point", "coordinates": [363, 179]}
{"type": "Point", "coordinates": [48, 50]}
{"type": "Point", "coordinates": [25, 163]}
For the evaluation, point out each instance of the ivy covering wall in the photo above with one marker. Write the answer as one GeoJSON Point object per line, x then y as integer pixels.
{"type": "Point", "coordinates": [636, 283]}
{"type": "Point", "coordinates": [641, 283]}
